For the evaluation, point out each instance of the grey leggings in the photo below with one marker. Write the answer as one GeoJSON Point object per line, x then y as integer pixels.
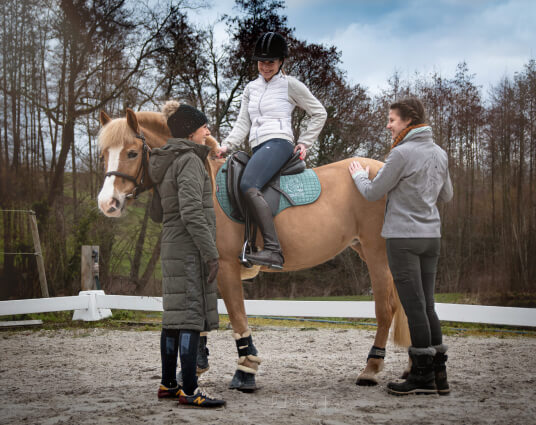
{"type": "Point", "coordinates": [413, 263]}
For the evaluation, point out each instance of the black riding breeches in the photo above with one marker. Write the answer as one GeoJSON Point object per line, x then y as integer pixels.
{"type": "Point", "coordinates": [266, 161]}
{"type": "Point", "coordinates": [413, 263]}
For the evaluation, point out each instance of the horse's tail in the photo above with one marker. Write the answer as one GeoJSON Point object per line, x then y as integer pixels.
{"type": "Point", "coordinates": [400, 330]}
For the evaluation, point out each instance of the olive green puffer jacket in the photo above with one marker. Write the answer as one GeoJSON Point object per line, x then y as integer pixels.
{"type": "Point", "coordinates": [186, 210]}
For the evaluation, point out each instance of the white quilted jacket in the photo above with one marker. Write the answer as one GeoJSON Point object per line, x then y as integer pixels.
{"type": "Point", "coordinates": [266, 111]}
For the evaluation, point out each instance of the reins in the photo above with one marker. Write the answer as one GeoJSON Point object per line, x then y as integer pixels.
{"type": "Point", "coordinates": [138, 187]}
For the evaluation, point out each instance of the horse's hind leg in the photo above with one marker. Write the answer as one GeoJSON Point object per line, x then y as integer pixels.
{"type": "Point", "coordinates": [230, 286]}
{"type": "Point", "coordinates": [374, 254]}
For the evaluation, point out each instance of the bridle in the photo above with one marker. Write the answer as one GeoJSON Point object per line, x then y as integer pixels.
{"type": "Point", "coordinates": [144, 166]}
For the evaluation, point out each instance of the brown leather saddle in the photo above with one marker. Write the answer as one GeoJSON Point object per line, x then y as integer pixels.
{"type": "Point", "coordinates": [272, 193]}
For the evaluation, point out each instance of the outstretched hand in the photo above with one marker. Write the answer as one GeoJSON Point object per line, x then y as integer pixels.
{"type": "Point", "coordinates": [222, 151]}
{"type": "Point", "coordinates": [356, 168]}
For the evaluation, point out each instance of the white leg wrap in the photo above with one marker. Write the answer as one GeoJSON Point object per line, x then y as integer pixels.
{"type": "Point", "coordinates": [247, 369]}
{"type": "Point", "coordinates": [250, 357]}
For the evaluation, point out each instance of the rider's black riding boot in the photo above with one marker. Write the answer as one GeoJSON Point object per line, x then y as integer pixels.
{"type": "Point", "coordinates": [271, 254]}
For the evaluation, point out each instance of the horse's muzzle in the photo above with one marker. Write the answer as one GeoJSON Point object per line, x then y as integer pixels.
{"type": "Point", "coordinates": [111, 207]}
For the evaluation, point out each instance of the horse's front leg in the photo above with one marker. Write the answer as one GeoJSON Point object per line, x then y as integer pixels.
{"type": "Point", "coordinates": [373, 253]}
{"type": "Point", "coordinates": [230, 286]}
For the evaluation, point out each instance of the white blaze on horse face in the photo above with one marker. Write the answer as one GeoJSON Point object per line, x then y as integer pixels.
{"type": "Point", "coordinates": [110, 201]}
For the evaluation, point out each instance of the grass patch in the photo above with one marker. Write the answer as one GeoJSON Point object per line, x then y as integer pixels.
{"type": "Point", "coordinates": [120, 320]}
{"type": "Point", "coordinates": [448, 328]}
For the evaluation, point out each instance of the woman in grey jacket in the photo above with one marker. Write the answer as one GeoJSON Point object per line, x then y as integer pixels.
{"type": "Point", "coordinates": [265, 118]}
{"type": "Point", "coordinates": [415, 176]}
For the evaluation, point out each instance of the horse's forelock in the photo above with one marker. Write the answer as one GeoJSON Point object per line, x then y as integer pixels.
{"type": "Point", "coordinates": [115, 133]}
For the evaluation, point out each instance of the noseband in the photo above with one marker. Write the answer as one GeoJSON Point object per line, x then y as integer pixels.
{"type": "Point", "coordinates": [138, 187]}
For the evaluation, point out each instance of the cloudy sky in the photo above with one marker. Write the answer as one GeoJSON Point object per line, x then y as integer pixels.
{"type": "Point", "coordinates": [376, 37]}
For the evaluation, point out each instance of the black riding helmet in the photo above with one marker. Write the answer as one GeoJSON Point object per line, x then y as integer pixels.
{"type": "Point", "coordinates": [270, 46]}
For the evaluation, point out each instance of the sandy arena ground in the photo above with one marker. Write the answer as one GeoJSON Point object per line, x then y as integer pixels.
{"type": "Point", "coordinates": [100, 376]}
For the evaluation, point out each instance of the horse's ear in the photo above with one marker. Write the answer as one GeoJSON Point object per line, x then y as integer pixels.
{"type": "Point", "coordinates": [104, 118]}
{"type": "Point", "coordinates": [132, 121]}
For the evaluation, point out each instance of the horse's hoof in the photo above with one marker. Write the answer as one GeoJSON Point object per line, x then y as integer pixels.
{"type": "Point", "coordinates": [243, 381]}
{"type": "Point", "coordinates": [366, 382]}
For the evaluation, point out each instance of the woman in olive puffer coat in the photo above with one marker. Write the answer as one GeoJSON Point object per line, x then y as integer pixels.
{"type": "Point", "coordinates": [183, 202]}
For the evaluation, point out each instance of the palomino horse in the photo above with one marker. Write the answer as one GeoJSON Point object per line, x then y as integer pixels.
{"type": "Point", "coordinates": [309, 234]}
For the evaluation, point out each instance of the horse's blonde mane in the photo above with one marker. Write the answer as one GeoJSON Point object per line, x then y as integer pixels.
{"type": "Point", "coordinates": [114, 134]}
{"type": "Point", "coordinates": [117, 131]}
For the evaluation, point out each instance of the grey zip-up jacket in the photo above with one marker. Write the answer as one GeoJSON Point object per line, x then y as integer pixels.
{"type": "Point", "coordinates": [266, 112]}
{"type": "Point", "coordinates": [415, 176]}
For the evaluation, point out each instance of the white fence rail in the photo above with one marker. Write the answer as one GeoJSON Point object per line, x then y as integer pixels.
{"type": "Point", "coordinates": [95, 305]}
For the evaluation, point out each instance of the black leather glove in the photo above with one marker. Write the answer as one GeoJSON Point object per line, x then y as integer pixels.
{"type": "Point", "coordinates": [213, 266]}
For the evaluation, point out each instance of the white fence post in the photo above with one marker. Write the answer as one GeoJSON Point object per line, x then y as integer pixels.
{"type": "Point", "coordinates": [92, 313]}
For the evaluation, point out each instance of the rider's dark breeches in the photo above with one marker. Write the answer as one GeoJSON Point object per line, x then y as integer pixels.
{"type": "Point", "coordinates": [266, 161]}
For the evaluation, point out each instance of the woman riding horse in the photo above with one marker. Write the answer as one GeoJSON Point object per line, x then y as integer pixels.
{"type": "Point", "coordinates": [265, 114]}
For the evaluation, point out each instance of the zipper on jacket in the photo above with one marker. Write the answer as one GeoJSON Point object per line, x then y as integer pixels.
{"type": "Point", "coordinates": [260, 113]}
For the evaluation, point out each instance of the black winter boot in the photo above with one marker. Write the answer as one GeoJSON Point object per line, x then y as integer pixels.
{"type": "Point", "coordinates": [421, 379]}
{"type": "Point", "coordinates": [440, 370]}
{"type": "Point", "coordinates": [271, 255]}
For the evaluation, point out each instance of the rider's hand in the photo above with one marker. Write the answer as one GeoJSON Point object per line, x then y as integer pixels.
{"type": "Point", "coordinates": [356, 169]}
{"type": "Point", "coordinates": [303, 151]}
{"type": "Point", "coordinates": [213, 266]}
{"type": "Point", "coordinates": [222, 151]}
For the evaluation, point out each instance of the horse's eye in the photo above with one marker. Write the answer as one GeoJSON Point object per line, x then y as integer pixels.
{"type": "Point", "coordinates": [132, 154]}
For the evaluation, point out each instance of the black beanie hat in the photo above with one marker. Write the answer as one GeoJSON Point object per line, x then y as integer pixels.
{"type": "Point", "coordinates": [185, 121]}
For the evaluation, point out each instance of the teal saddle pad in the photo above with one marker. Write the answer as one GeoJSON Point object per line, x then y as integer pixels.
{"type": "Point", "coordinates": [303, 189]}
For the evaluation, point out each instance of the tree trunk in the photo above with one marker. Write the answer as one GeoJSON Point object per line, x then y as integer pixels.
{"type": "Point", "coordinates": [151, 265]}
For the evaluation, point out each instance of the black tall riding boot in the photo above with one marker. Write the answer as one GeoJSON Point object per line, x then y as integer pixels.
{"type": "Point", "coordinates": [421, 379]}
{"type": "Point", "coordinates": [440, 369]}
{"type": "Point", "coordinates": [271, 254]}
